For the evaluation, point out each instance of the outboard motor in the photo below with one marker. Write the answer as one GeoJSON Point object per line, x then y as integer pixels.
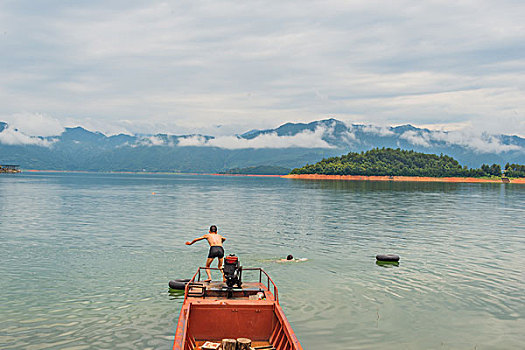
{"type": "Point", "coordinates": [232, 271]}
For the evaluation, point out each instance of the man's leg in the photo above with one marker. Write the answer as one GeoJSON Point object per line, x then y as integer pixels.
{"type": "Point", "coordinates": [219, 265]}
{"type": "Point", "coordinates": [208, 263]}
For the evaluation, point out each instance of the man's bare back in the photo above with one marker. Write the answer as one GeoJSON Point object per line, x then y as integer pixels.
{"type": "Point", "coordinates": [216, 250]}
{"type": "Point", "coordinates": [214, 239]}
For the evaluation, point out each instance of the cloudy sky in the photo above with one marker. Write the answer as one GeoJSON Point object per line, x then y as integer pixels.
{"type": "Point", "coordinates": [221, 67]}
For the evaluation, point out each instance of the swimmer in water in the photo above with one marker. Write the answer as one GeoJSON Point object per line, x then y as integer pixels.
{"type": "Point", "coordinates": [290, 258]}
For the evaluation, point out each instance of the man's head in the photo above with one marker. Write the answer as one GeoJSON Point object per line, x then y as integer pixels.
{"type": "Point", "coordinates": [289, 257]}
{"type": "Point", "coordinates": [213, 229]}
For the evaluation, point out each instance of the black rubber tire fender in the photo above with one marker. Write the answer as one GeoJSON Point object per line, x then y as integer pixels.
{"type": "Point", "coordinates": [179, 284]}
{"type": "Point", "coordinates": [387, 257]}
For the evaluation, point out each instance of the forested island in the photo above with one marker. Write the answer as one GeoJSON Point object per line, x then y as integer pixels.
{"type": "Point", "coordinates": [398, 162]}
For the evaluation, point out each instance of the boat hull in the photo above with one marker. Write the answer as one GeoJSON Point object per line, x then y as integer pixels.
{"type": "Point", "coordinates": [213, 317]}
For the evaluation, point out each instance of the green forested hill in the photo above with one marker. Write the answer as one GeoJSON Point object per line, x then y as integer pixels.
{"type": "Point", "coordinates": [395, 162]}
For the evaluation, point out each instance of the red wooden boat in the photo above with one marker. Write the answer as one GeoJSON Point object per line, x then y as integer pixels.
{"type": "Point", "coordinates": [212, 311]}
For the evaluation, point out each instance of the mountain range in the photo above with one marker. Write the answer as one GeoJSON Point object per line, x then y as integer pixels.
{"type": "Point", "coordinates": [290, 145]}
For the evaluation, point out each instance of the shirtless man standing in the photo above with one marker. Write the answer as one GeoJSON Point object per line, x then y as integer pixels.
{"type": "Point", "coordinates": [216, 250]}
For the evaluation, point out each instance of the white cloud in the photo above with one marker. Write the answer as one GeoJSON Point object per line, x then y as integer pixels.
{"type": "Point", "coordinates": [34, 124]}
{"type": "Point", "coordinates": [481, 143]}
{"type": "Point", "coordinates": [11, 136]}
{"type": "Point", "coordinates": [416, 138]}
{"type": "Point", "coordinates": [378, 130]}
{"type": "Point", "coordinates": [469, 138]}
{"type": "Point", "coordinates": [349, 137]}
{"type": "Point", "coordinates": [445, 127]}
{"type": "Point", "coordinates": [305, 139]}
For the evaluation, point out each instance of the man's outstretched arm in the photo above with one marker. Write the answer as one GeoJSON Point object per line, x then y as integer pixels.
{"type": "Point", "coordinates": [195, 240]}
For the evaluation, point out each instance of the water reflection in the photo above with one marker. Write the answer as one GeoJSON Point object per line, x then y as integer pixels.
{"type": "Point", "coordinates": [381, 186]}
{"type": "Point", "coordinates": [175, 294]}
{"type": "Point", "coordinates": [387, 264]}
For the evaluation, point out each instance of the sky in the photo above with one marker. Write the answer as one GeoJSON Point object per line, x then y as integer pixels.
{"type": "Point", "coordinates": [226, 67]}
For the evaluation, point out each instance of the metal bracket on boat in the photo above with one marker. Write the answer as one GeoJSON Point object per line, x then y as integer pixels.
{"type": "Point", "coordinates": [193, 289]}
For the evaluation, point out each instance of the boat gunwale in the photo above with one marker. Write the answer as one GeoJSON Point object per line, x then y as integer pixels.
{"type": "Point", "coordinates": [181, 335]}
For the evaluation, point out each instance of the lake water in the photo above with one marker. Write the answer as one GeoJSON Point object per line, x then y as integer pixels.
{"type": "Point", "coordinates": [85, 259]}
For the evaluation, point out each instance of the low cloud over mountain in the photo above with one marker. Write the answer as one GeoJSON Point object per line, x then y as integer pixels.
{"type": "Point", "coordinates": [12, 136]}
{"type": "Point", "coordinates": [289, 145]}
{"type": "Point", "coordinates": [303, 139]}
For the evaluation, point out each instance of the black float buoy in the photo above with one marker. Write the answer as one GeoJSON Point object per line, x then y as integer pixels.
{"type": "Point", "coordinates": [179, 284]}
{"type": "Point", "coordinates": [387, 257]}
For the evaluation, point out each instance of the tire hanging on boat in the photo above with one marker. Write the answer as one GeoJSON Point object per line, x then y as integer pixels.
{"type": "Point", "coordinates": [179, 284]}
{"type": "Point", "coordinates": [387, 257]}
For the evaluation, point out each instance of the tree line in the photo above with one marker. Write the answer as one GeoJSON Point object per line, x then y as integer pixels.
{"type": "Point", "coordinates": [514, 170]}
{"type": "Point", "coordinates": [398, 162]}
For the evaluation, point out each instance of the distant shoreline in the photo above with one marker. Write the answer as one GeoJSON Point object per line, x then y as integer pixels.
{"type": "Point", "coordinates": [400, 178]}
{"type": "Point", "coordinates": [311, 176]}
{"type": "Point", "coordinates": [142, 172]}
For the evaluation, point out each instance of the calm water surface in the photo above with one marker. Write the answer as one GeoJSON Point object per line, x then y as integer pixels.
{"type": "Point", "coordinates": [85, 258]}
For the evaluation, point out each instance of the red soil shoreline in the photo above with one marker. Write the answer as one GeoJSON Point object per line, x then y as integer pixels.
{"type": "Point", "coordinates": [399, 178]}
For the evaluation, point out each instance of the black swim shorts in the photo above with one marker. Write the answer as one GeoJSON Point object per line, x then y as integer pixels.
{"type": "Point", "coordinates": [216, 252]}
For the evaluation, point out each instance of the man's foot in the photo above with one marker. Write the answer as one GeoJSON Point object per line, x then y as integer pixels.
{"type": "Point", "coordinates": [207, 280]}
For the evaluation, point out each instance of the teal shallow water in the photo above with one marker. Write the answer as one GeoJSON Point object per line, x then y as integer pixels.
{"type": "Point", "coordinates": [85, 258]}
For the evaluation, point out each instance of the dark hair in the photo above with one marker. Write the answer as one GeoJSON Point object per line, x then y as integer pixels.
{"type": "Point", "coordinates": [213, 228]}
{"type": "Point", "coordinates": [289, 257]}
